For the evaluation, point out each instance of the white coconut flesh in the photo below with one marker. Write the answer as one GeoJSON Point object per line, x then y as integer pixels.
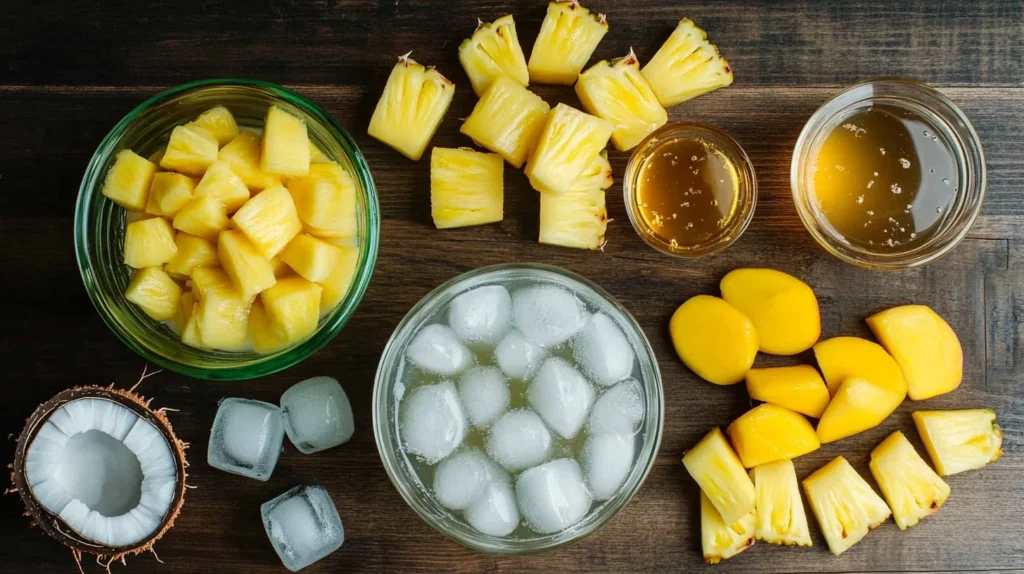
{"type": "Point", "coordinates": [106, 472]}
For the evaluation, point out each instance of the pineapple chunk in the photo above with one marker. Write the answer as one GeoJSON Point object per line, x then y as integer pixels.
{"type": "Point", "coordinates": [293, 305]}
{"type": "Point", "coordinates": [507, 120]}
{"type": "Point", "coordinates": [269, 221]}
{"type": "Point", "coordinates": [219, 122]}
{"type": "Point", "coordinates": [316, 155]}
{"type": "Point", "coordinates": [568, 37]}
{"type": "Point", "coordinates": [188, 321]}
{"type": "Point", "coordinates": [192, 252]}
{"type": "Point", "coordinates": [222, 318]}
{"type": "Point", "coordinates": [618, 92]}
{"type": "Point", "coordinates": [325, 200]}
{"type": "Point", "coordinates": [128, 181]}
{"type": "Point", "coordinates": [718, 472]}
{"type": "Point", "coordinates": [285, 144]}
{"type": "Point", "coordinates": [576, 218]}
{"type": "Point", "coordinates": [720, 540]}
{"type": "Point", "coordinates": [154, 292]}
{"type": "Point", "coordinates": [280, 268]}
{"type": "Point", "coordinates": [156, 156]}
{"type": "Point", "coordinates": [266, 337]}
{"type": "Point", "coordinates": [249, 271]}
{"type": "Point", "coordinates": [190, 150]}
{"type": "Point", "coordinates": [311, 258]}
{"type": "Point", "coordinates": [203, 217]}
{"type": "Point", "coordinates": [205, 279]}
{"type": "Point", "coordinates": [168, 193]}
{"type": "Point", "coordinates": [466, 187]}
{"type": "Point", "coordinates": [909, 485]}
{"type": "Point", "coordinates": [491, 52]}
{"type": "Point", "coordinates": [598, 175]}
{"type": "Point", "coordinates": [686, 66]}
{"type": "Point", "coordinates": [780, 511]}
{"type": "Point", "coordinates": [221, 182]}
{"type": "Point", "coordinates": [243, 155]}
{"type": "Point", "coordinates": [338, 283]}
{"type": "Point", "coordinates": [844, 504]}
{"type": "Point", "coordinates": [960, 440]}
{"type": "Point", "coordinates": [568, 143]}
{"type": "Point", "coordinates": [409, 111]}
{"type": "Point", "coordinates": [148, 243]}
{"type": "Point", "coordinates": [767, 433]}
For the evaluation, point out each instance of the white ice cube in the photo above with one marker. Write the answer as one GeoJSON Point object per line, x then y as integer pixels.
{"type": "Point", "coordinates": [482, 315]}
{"type": "Point", "coordinates": [552, 496]}
{"type": "Point", "coordinates": [518, 440]}
{"type": "Point", "coordinates": [495, 512]}
{"type": "Point", "coordinates": [561, 396]}
{"type": "Point", "coordinates": [607, 460]}
{"type": "Point", "coordinates": [433, 423]}
{"type": "Point", "coordinates": [437, 349]}
{"type": "Point", "coordinates": [618, 410]}
{"type": "Point", "coordinates": [317, 414]}
{"type": "Point", "coordinates": [602, 350]}
{"type": "Point", "coordinates": [547, 315]}
{"type": "Point", "coordinates": [517, 356]}
{"type": "Point", "coordinates": [485, 395]}
{"type": "Point", "coordinates": [461, 478]}
{"type": "Point", "coordinates": [303, 525]}
{"type": "Point", "coordinates": [246, 438]}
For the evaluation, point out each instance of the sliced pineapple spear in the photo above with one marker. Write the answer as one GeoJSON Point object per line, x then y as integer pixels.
{"type": "Point", "coordinates": [960, 440]}
{"type": "Point", "coordinates": [507, 120]}
{"type": "Point", "coordinates": [409, 111]}
{"type": "Point", "coordinates": [844, 504]}
{"type": "Point", "coordinates": [617, 91]}
{"type": "Point", "coordinates": [466, 187]}
{"type": "Point", "coordinates": [568, 37]}
{"type": "Point", "coordinates": [719, 540]}
{"type": "Point", "coordinates": [493, 51]}
{"type": "Point", "coordinates": [780, 512]}
{"type": "Point", "coordinates": [578, 218]}
{"type": "Point", "coordinates": [909, 485]}
{"type": "Point", "coordinates": [721, 476]}
{"type": "Point", "coordinates": [686, 66]}
{"type": "Point", "coordinates": [569, 142]}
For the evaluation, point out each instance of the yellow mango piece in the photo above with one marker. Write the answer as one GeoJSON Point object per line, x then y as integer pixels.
{"type": "Point", "coordinates": [190, 150]}
{"type": "Point", "coordinates": [312, 258]}
{"type": "Point", "coordinates": [265, 336]}
{"type": "Point", "coordinates": [222, 316]}
{"type": "Point", "coordinates": [285, 144]}
{"type": "Point", "coordinates": [924, 346]}
{"type": "Point", "coordinates": [911, 488]}
{"type": "Point", "coordinates": [192, 252]}
{"type": "Point", "coordinates": [168, 193]}
{"type": "Point", "coordinates": [221, 182]}
{"type": "Point", "coordinates": [782, 308]}
{"type": "Point", "coordinates": [219, 122]}
{"type": "Point", "coordinates": [269, 220]}
{"type": "Point", "coordinates": [148, 243]}
{"type": "Point", "coordinates": [154, 292]}
{"type": "Point", "coordinates": [840, 358]}
{"type": "Point", "coordinates": [293, 305]}
{"type": "Point", "coordinates": [249, 271]}
{"type": "Point", "coordinates": [768, 433]}
{"type": "Point", "coordinates": [799, 388]}
{"type": "Point", "coordinates": [203, 217]}
{"type": "Point", "coordinates": [338, 283]}
{"type": "Point", "coordinates": [128, 181]}
{"type": "Point", "coordinates": [714, 339]}
{"type": "Point", "coordinates": [207, 278]}
{"type": "Point", "coordinates": [857, 406]}
{"type": "Point", "coordinates": [720, 475]}
{"type": "Point", "coordinates": [325, 200]}
{"type": "Point", "coordinates": [243, 155]}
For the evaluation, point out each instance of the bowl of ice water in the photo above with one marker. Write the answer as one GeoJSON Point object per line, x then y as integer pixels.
{"type": "Point", "coordinates": [517, 408]}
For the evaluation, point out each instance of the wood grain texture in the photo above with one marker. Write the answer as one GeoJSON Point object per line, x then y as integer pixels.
{"type": "Point", "coordinates": [59, 98]}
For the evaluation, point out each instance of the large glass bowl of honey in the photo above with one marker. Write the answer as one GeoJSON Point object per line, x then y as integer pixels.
{"type": "Point", "coordinates": [888, 174]}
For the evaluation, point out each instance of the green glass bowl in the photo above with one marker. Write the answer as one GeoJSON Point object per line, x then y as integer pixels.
{"type": "Point", "coordinates": [100, 224]}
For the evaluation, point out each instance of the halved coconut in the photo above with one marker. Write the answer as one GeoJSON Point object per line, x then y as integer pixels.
{"type": "Point", "coordinates": [100, 471]}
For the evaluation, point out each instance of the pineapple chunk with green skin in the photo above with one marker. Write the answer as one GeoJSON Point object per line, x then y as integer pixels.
{"type": "Point", "coordinates": [205, 279]}
{"type": "Point", "coordinates": [148, 243]}
{"type": "Point", "coordinates": [249, 271]}
{"type": "Point", "coordinates": [339, 282]}
{"type": "Point", "coordinates": [285, 148]}
{"type": "Point", "coordinates": [221, 182]}
{"type": "Point", "coordinates": [223, 318]}
{"type": "Point", "coordinates": [909, 485]}
{"type": "Point", "coordinates": [414, 102]}
{"type": "Point", "coordinates": [569, 142]}
{"type": "Point", "coordinates": [325, 200]}
{"type": "Point", "coordinates": [192, 252]}
{"type": "Point", "coordinates": [219, 122]}
{"type": "Point", "coordinates": [598, 175]}
{"type": "Point", "coordinates": [155, 293]}
{"type": "Point", "coordinates": [618, 92]}
{"type": "Point", "coordinates": [265, 336]}
{"type": "Point", "coordinates": [507, 120]}
{"type": "Point", "coordinates": [960, 440]}
{"type": "Point", "coordinates": [686, 66]}
{"type": "Point", "coordinates": [168, 193]}
{"type": "Point", "coordinates": [316, 155]}
{"type": "Point", "coordinates": [721, 476]}
{"type": "Point", "coordinates": [203, 217]}
{"type": "Point", "coordinates": [269, 220]}
{"type": "Point", "coordinates": [568, 37]}
{"type": "Point", "coordinates": [312, 258]}
{"type": "Point", "coordinates": [466, 187]}
{"type": "Point", "coordinates": [190, 150]}
{"type": "Point", "coordinates": [243, 155]}
{"type": "Point", "coordinates": [293, 305]}
{"type": "Point", "coordinates": [491, 52]}
{"type": "Point", "coordinates": [844, 504]}
{"type": "Point", "coordinates": [128, 181]}
{"type": "Point", "coordinates": [576, 218]}
{"type": "Point", "coordinates": [719, 540]}
{"type": "Point", "coordinates": [780, 511]}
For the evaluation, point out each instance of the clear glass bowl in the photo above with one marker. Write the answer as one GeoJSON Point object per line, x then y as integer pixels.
{"type": "Point", "coordinates": [100, 224]}
{"type": "Point", "coordinates": [399, 466]}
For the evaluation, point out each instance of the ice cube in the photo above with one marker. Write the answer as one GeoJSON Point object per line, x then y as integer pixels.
{"type": "Point", "coordinates": [317, 414]}
{"type": "Point", "coordinates": [482, 315]}
{"type": "Point", "coordinates": [303, 526]}
{"type": "Point", "coordinates": [437, 349]}
{"type": "Point", "coordinates": [618, 410]}
{"type": "Point", "coordinates": [547, 315]}
{"type": "Point", "coordinates": [603, 351]}
{"type": "Point", "coordinates": [433, 423]}
{"type": "Point", "coordinates": [485, 395]}
{"type": "Point", "coordinates": [518, 440]}
{"type": "Point", "coordinates": [495, 512]}
{"type": "Point", "coordinates": [461, 478]}
{"type": "Point", "coordinates": [552, 496]}
{"type": "Point", "coordinates": [561, 396]}
{"type": "Point", "coordinates": [246, 438]}
{"type": "Point", "coordinates": [517, 356]}
{"type": "Point", "coordinates": [607, 459]}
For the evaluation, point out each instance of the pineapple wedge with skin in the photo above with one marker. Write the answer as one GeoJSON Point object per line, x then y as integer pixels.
{"type": "Point", "coordinates": [686, 66]}
{"type": "Point", "coordinates": [721, 476]}
{"type": "Point", "coordinates": [844, 504]}
{"type": "Point", "coordinates": [568, 37]}
{"type": "Point", "coordinates": [249, 271]}
{"type": "Point", "coordinates": [780, 510]}
{"type": "Point", "coordinates": [577, 218]}
{"type": "Point", "coordinates": [148, 243]}
{"type": "Point", "coordinates": [293, 306]}
{"type": "Point", "coordinates": [414, 102]}
{"type": "Point", "coordinates": [285, 149]}
{"type": "Point", "coordinates": [617, 91]}
{"type": "Point", "coordinates": [569, 142]}
{"type": "Point", "coordinates": [491, 52]}
{"type": "Point", "coordinates": [243, 155]}
{"type": "Point", "coordinates": [325, 200]}
{"type": "Point", "coordinates": [190, 150]}
{"type": "Point", "coordinates": [265, 336]}
{"type": "Point", "coordinates": [339, 282]}
{"type": "Point", "coordinates": [192, 252]}
{"type": "Point", "coordinates": [909, 485]}
{"type": "Point", "coordinates": [466, 187]}
{"type": "Point", "coordinates": [168, 193]}
{"type": "Point", "coordinates": [960, 440]}
{"type": "Point", "coordinates": [312, 258]}
{"type": "Point", "coordinates": [269, 220]}
{"type": "Point", "coordinates": [719, 540]}
{"type": "Point", "coordinates": [155, 293]}
{"type": "Point", "coordinates": [222, 183]}
{"type": "Point", "coordinates": [507, 120]}
{"type": "Point", "coordinates": [128, 181]}
{"type": "Point", "coordinates": [219, 122]}
{"type": "Point", "coordinates": [203, 217]}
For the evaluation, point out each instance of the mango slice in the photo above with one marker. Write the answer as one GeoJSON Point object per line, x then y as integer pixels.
{"type": "Point", "coordinates": [782, 308]}
{"type": "Point", "coordinates": [768, 433]}
{"type": "Point", "coordinates": [713, 339]}
{"type": "Point", "coordinates": [857, 406]}
{"type": "Point", "coordinates": [924, 346]}
{"type": "Point", "coordinates": [842, 357]}
{"type": "Point", "coordinates": [799, 388]}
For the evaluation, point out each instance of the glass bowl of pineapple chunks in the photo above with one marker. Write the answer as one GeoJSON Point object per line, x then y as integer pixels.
{"type": "Point", "coordinates": [226, 229]}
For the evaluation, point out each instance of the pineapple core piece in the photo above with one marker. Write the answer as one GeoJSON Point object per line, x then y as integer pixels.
{"type": "Point", "coordinates": [798, 387]}
{"type": "Point", "coordinates": [909, 485]}
{"type": "Point", "coordinates": [269, 221]}
{"type": "Point", "coordinates": [491, 52]}
{"type": "Point", "coordinates": [325, 200]}
{"type": "Point", "coordinates": [249, 271]}
{"type": "Point", "coordinates": [265, 336]}
{"type": "Point", "coordinates": [243, 155]}
{"type": "Point", "coordinates": [568, 37]}
{"type": "Point", "coordinates": [719, 473]}
{"type": "Point", "coordinates": [154, 292]}
{"type": "Point", "coordinates": [686, 66]}
{"type": "Point", "coordinates": [568, 143]}
{"type": "Point", "coordinates": [767, 433]}
{"type": "Point", "coordinates": [202, 216]}
{"type": "Point", "coordinates": [219, 122]}
{"type": "Point", "coordinates": [576, 218]}
{"type": "Point", "coordinates": [311, 258]}
{"type": "Point", "coordinates": [780, 511]}
{"type": "Point", "coordinates": [190, 150]}
{"type": "Point", "coordinates": [222, 318]}
{"type": "Point", "coordinates": [960, 440]}
{"type": "Point", "coordinates": [466, 187]}
{"type": "Point", "coordinates": [285, 148]}
{"type": "Point", "coordinates": [338, 283]}
{"type": "Point", "coordinates": [618, 92]}
{"type": "Point", "coordinates": [844, 504]}
{"type": "Point", "coordinates": [507, 120]}
{"type": "Point", "coordinates": [192, 252]}
{"type": "Point", "coordinates": [148, 243]}
{"type": "Point", "coordinates": [168, 193]}
{"type": "Point", "coordinates": [293, 306]}
{"type": "Point", "coordinates": [128, 181]}
{"type": "Point", "coordinates": [409, 111]}
{"type": "Point", "coordinates": [720, 540]}
{"type": "Point", "coordinates": [222, 183]}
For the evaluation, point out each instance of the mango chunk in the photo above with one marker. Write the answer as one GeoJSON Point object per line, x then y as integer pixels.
{"type": "Point", "coordinates": [768, 433]}
{"type": "Point", "coordinates": [857, 406]}
{"type": "Point", "coordinates": [243, 155]}
{"type": "Point", "coordinates": [714, 339]}
{"type": "Point", "coordinates": [249, 271]}
{"type": "Point", "coordinates": [219, 122]}
{"type": "Point", "coordinates": [222, 183]}
{"type": "Point", "coordinates": [842, 357]}
{"type": "Point", "coordinates": [720, 475]}
{"type": "Point", "coordinates": [325, 200]}
{"type": "Point", "coordinates": [148, 243]}
{"type": "Point", "coordinates": [192, 252]}
{"type": "Point", "coordinates": [155, 293]}
{"type": "Point", "coordinates": [799, 388]}
{"type": "Point", "coordinates": [127, 183]}
{"type": "Point", "coordinates": [782, 308]}
{"type": "Point", "coordinates": [924, 346]}
{"type": "Point", "coordinates": [285, 144]}
{"type": "Point", "coordinates": [190, 150]}
{"type": "Point", "coordinates": [203, 217]}
{"type": "Point", "coordinates": [168, 193]}
{"type": "Point", "coordinates": [265, 336]}
{"type": "Point", "coordinates": [293, 305]}
{"type": "Point", "coordinates": [269, 221]}
{"type": "Point", "coordinates": [338, 283]}
{"type": "Point", "coordinates": [311, 258]}
{"type": "Point", "coordinates": [223, 318]}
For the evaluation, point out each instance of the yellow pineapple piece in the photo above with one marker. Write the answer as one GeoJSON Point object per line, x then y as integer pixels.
{"type": "Point", "coordinates": [844, 504]}
{"type": "Point", "coordinates": [780, 511]}
{"type": "Point", "coordinates": [491, 52]}
{"type": "Point", "coordinates": [156, 156]}
{"type": "Point", "coordinates": [339, 282]}
{"type": "Point", "coordinates": [618, 92]}
{"type": "Point", "coordinates": [686, 66]}
{"type": "Point", "coordinates": [243, 155]}
{"type": "Point", "coordinates": [325, 200]}
{"type": "Point", "coordinates": [960, 440]}
{"type": "Point", "coordinates": [909, 485]}
{"type": "Point", "coordinates": [148, 243]}
{"type": "Point", "coordinates": [249, 271]}
{"type": "Point", "coordinates": [293, 305]}
{"type": "Point", "coordinates": [223, 318]}
{"type": "Point", "coordinates": [266, 337]}
{"type": "Point", "coordinates": [569, 142]}
{"type": "Point", "coordinates": [221, 182]}
{"type": "Point", "coordinates": [316, 155]}
{"type": "Point", "coordinates": [311, 258]}
{"type": "Point", "coordinates": [576, 218]}
{"type": "Point", "coordinates": [721, 476]}
{"type": "Point", "coordinates": [154, 292]}
{"type": "Point", "coordinates": [466, 187]}
{"type": "Point", "coordinates": [208, 278]}
{"type": "Point", "coordinates": [507, 120]}
{"type": "Point", "coordinates": [219, 122]}
{"type": "Point", "coordinates": [188, 321]}
{"type": "Point", "coordinates": [285, 144]}
{"type": "Point", "coordinates": [269, 220]}
{"type": "Point", "coordinates": [202, 216]}
{"type": "Point", "coordinates": [128, 181]}
{"type": "Point", "coordinates": [598, 175]}
{"type": "Point", "coordinates": [409, 111]}
{"type": "Point", "coordinates": [719, 539]}
{"type": "Point", "coordinates": [168, 193]}
{"type": "Point", "coordinates": [190, 150]}
{"type": "Point", "coordinates": [192, 252]}
{"type": "Point", "coordinates": [280, 268]}
{"type": "Point", "coordinates": [568, 37]}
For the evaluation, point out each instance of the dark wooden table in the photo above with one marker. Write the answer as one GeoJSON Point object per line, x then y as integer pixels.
{"type": "Point", "coordinates": [69, 70]}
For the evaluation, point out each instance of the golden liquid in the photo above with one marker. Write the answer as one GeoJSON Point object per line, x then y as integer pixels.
{"type": "Point", "coordinates": [884, 179]}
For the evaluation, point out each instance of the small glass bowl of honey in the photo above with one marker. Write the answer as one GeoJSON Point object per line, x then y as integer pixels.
{"type": "Point", "coordinates": [888, 174]}
{"type": "Point", "coordinates": [690, 190]}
